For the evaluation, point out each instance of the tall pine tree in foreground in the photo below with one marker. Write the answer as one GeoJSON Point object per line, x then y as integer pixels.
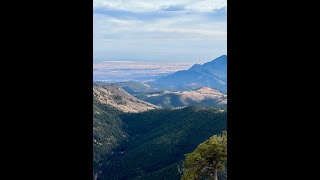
{"type": "Point", "coordinates": [207, 159]}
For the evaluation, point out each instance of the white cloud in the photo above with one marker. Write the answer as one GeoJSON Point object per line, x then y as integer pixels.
{"type": "Point", "coordinates": [154, 5]}
{"type": "Point", "coordinates": [119, 61]}
{"type": "Point", "coordinates": [146, 34]}
{"type": "Point", "coordinates": [206, 5]}
{"type": "Point", "coordinates": [185, 26]}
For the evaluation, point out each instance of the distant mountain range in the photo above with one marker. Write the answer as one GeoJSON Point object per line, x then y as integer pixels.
{"type": "Point", "coordinates": [137, 87]}
{"type": "Point", "coordinates": [212, 74]}
{"type": "Point", "coordinates": [138, 97]}
{"type": "Point", "coordinates": [117, 98]}
{"type": "Point", "coordinates": [204, 96]}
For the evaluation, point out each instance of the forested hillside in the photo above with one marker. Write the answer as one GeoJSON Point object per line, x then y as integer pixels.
{"type": "Point", "coordinates": [107, 132]}
{"type": "Point", "coordinates": [157, 140]}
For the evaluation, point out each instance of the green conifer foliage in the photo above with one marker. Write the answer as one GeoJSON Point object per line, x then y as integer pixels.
{"type": "Point", "coordinates": [207, 159]}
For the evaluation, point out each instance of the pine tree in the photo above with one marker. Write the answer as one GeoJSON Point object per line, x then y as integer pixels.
{"type": "Point", "coordinates": [207, 159]}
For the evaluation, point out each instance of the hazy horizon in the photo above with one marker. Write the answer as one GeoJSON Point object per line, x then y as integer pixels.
{"type": "Point", "coordinates": [116, 71]}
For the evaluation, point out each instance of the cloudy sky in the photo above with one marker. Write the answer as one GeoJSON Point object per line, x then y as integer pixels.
{"type": "Point", "coordinates": [159, 30]}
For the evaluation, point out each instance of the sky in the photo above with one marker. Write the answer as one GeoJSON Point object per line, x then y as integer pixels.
{"type": "Point", "coordinates": [159, 30]}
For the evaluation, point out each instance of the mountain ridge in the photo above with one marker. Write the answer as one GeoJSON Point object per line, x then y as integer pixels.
{"type": "Point", "coordinates": [119, 99]}
{"type": "Point", "coordinates": [203, 96]}
{"type": "Point", "coordinates": [212, 74]}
